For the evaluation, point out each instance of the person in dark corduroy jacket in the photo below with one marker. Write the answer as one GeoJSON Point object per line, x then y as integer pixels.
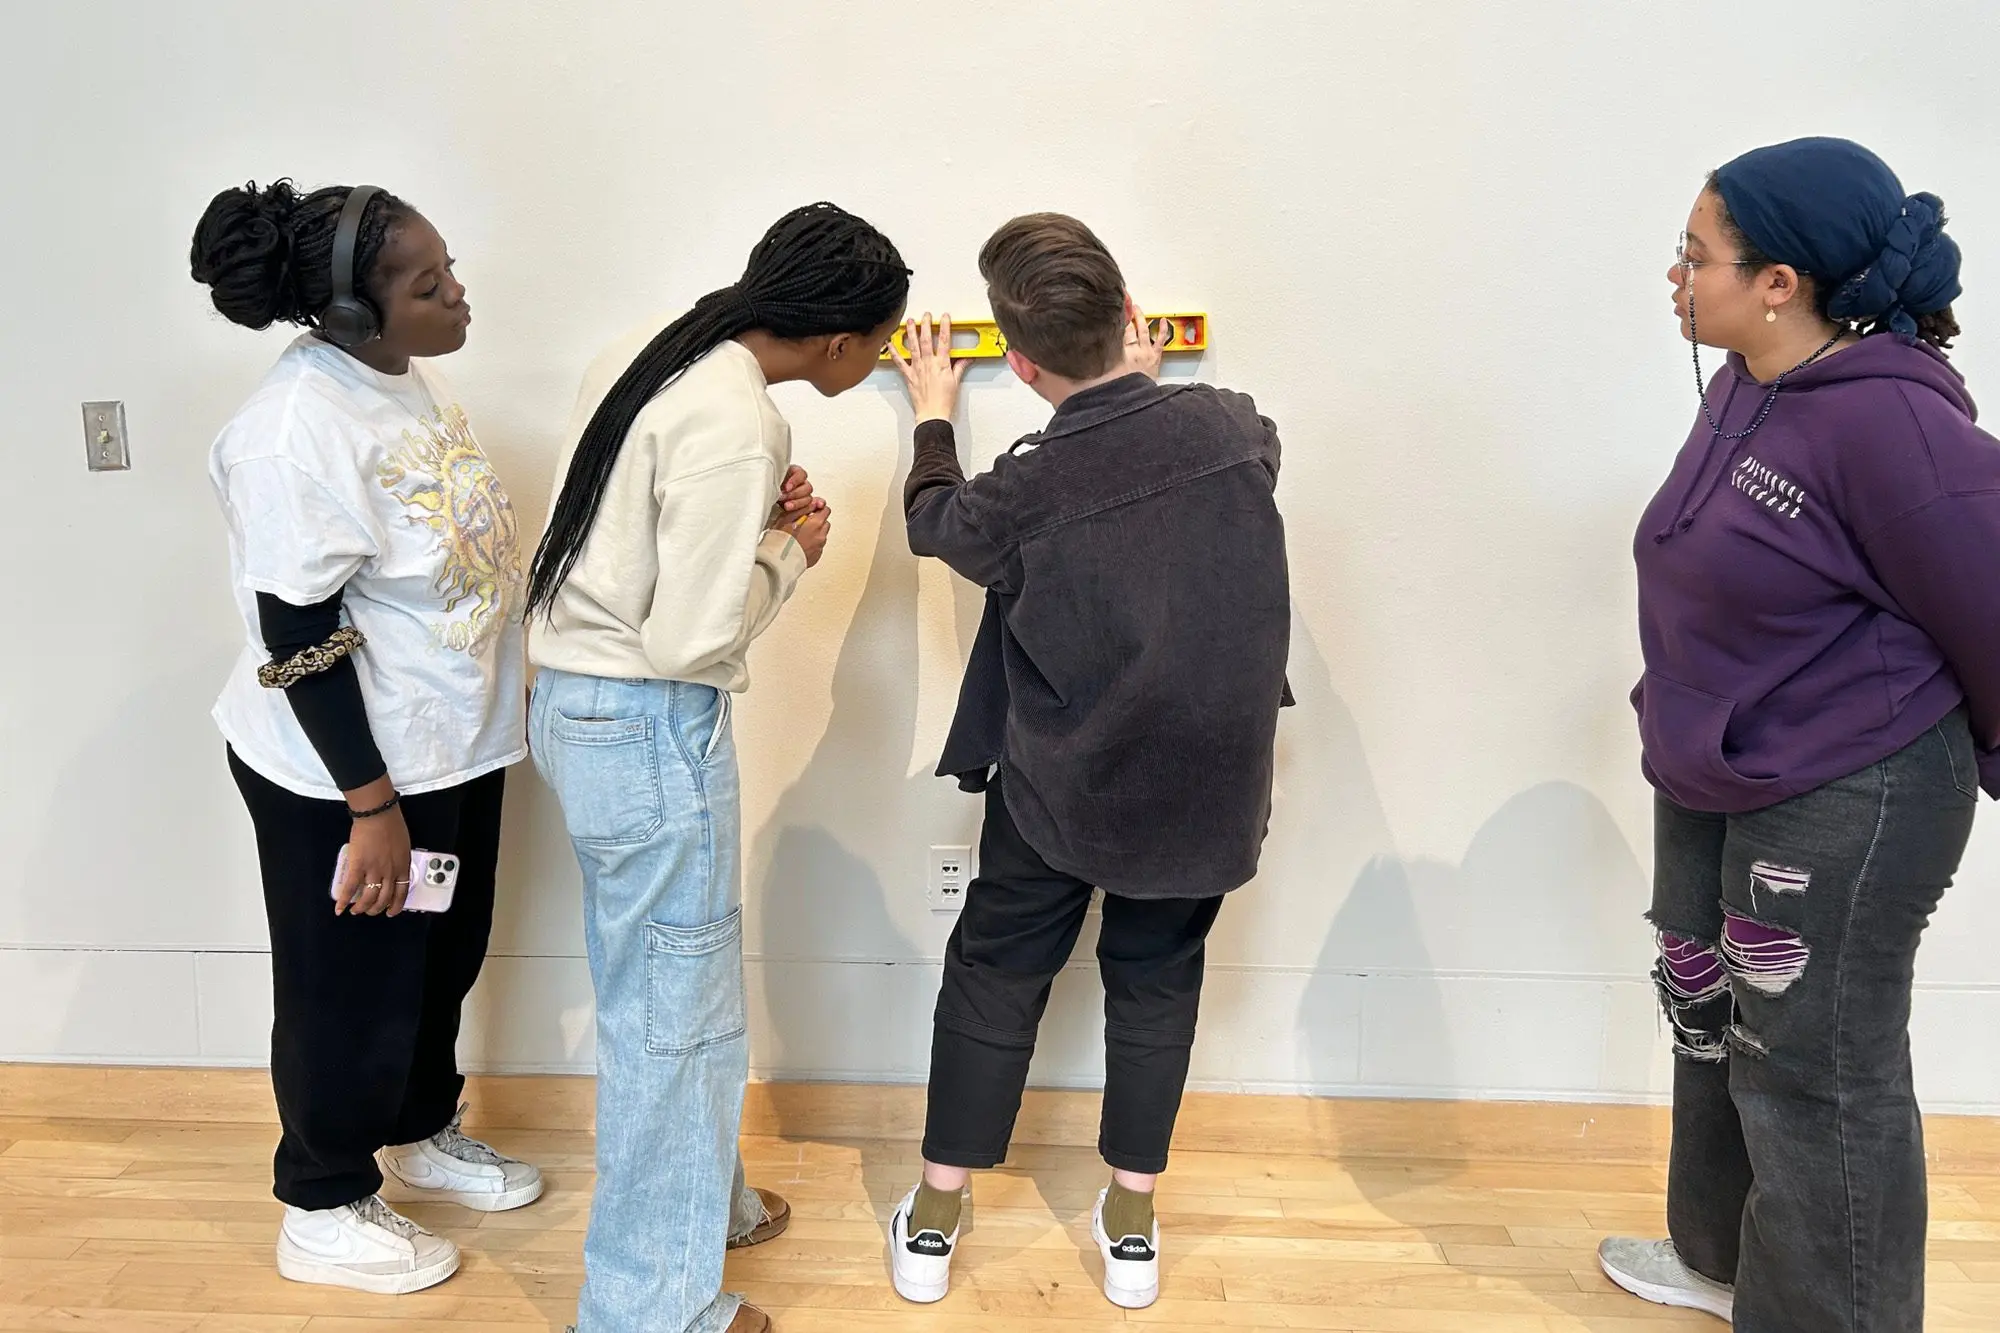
{"type": "Point", "coordinates": [1119, 712]}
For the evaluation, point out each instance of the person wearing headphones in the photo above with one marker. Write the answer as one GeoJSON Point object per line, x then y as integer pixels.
{"type": "Point", "coordinates": [378, 700]}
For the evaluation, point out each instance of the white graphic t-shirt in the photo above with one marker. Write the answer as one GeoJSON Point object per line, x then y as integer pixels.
{"type": "Point", "coordinates": [334, 475]}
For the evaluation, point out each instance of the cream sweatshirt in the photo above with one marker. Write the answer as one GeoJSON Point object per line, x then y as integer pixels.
{"type": "Point", "coordinates": [680, 573]}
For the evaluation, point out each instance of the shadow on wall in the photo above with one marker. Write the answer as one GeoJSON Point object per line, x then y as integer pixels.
{"type": "Point", "coordinates": [1430, 966]}
{"type": "Point", "coordinates": [1547, 886]}
{"type": "Point", "coordinates": [1496, 976]}
{"type": "Point", "coordinates": [1426, 981]}
{"type": "Point", "coordinates": [820, 898]}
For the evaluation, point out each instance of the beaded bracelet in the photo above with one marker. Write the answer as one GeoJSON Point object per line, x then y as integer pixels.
{"type": "Point", "coordinates": [381, 809]}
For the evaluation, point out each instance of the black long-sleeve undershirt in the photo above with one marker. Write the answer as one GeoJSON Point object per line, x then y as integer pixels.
{"type": "Point", "coordinates": [328, 705]}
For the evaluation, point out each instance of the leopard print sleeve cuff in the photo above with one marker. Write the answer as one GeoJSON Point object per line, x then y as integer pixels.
{"type": "Point", "coordinates": [314, 661]}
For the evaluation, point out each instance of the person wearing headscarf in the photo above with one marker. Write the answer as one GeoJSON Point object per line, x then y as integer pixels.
{"type": "Point", "coordinates": [1821, 705]}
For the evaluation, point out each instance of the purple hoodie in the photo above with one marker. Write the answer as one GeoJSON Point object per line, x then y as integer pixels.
{"type": "Point", "coordinates": [1816, 597]}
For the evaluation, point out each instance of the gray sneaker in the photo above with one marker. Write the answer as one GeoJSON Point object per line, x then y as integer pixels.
{"type": "Point", "coordinates": [1652, 1270]}
{"type": "Point", "coordinates": [452, 1167]}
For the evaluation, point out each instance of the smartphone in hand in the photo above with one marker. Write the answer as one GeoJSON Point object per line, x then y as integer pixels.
{"type": "Point", "coordinates": [433, 880]}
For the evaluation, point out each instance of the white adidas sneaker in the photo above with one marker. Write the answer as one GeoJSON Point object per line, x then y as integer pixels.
{"type": "Point", "coordinates": [452, 1168]}
{"type": "Point", "coordinates": [367, 1246]}
{"type": "Point", "coordinates": [919, 1265]}
{"type": "Point", "coordinates": [1653, 1271]}
{"type": "Point", "coordinates": [1131, 1263]}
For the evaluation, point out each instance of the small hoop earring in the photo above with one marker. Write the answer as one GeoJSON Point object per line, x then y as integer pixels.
{"type": "Point", "coordinates": [1770, 317]}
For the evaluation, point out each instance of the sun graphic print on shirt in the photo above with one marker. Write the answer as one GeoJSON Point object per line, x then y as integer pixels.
{"type": "Point", "coordinates": [446, 484]}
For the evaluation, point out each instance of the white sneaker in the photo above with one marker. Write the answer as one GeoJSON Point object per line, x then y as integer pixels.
{"type": "Point", "coordinates": [1131, 1263]}
{"type": "Point", "coordinates": [368, 1246]}
{"type": "Point", "coordinates": [450, 1167]}
{"type": "Point", "coordinates": [919, 1265]}
{"type": "Point", "coordinates": [1652, 1270]}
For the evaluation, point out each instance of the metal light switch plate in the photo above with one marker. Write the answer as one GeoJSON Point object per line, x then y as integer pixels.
{"type": "Point", "coordinates": [109, 449]}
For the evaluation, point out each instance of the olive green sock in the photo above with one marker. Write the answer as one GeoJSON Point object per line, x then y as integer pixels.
{"type": "Point", "coordinates": [936, 1210]}
{"type": "Point", "coordinates": [1127, 1213]}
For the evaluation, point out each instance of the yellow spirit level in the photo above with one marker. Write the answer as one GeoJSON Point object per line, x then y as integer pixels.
{"type": "Point", "coordinates": [982, 339]}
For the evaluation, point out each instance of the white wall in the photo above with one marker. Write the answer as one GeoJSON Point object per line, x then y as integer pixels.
{"type": "Point", "coordinates": [1432, 237]}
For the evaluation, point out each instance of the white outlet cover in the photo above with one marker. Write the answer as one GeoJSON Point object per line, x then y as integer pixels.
{"type": "Point", "coordinates": [947, 878]}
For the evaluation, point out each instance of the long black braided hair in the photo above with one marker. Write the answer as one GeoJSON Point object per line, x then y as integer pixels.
{"type": "Point", "coordinates": [819, 270]}
{"type": "Point", "coordinates": [266, 255]}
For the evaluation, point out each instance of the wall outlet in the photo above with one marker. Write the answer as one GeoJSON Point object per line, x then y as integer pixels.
{"type": "Point", "coordinates": [950, 876]}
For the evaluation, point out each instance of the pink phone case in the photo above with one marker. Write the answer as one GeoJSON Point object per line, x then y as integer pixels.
{"type": "Point", "coordinates": [433, 878]}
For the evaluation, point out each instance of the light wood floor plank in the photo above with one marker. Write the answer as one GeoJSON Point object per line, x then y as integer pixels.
{"type": "Point", "coordinates": [1279, 1213]}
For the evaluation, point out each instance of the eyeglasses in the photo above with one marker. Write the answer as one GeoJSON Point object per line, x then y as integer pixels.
{"type": "Point", "coordinates": [1688, 266]}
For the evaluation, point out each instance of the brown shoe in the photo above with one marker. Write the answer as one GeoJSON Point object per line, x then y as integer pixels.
{"type": "Point", "coordinates": [777, 1216]}
{"type": "Point", "coordinates": [749, 1319]}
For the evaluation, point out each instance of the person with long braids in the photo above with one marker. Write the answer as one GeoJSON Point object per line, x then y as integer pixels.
{"type": "Point", "coordinates": [1820, 708]}
{"type": "Point", "coordinates": [679, 529]}
{"type": "Point", "coordinates": [377, 702]}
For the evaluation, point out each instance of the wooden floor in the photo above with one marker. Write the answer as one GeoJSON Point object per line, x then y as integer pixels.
{"type": "Point", "coordinates": [165, 1225]}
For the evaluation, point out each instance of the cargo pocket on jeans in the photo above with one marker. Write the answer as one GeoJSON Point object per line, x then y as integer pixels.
{"type": "Point", "coordinates": [694, 985]}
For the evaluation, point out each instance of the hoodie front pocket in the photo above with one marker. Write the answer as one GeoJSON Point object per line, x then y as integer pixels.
{"type": "Point", "coordinates": [1682, 729]}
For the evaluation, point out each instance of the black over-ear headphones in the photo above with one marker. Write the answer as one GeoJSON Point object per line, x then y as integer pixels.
{"type": "Point", "coordinates": [349, 320]}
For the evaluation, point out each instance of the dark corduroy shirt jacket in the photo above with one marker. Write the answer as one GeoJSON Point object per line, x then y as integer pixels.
{"type": "Point", "coordinates": [1127, 676]}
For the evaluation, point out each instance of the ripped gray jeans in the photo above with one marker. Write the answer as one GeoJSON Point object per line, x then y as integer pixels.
{"type": "Point", "coordinates": [1788, 941]}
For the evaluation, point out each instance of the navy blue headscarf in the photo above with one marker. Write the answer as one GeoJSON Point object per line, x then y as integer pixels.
{"type": "Point", "coordinates": [1834, 210]}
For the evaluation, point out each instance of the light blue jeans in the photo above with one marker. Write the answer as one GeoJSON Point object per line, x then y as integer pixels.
{"type": "Point", "coordinates": [646, 773]}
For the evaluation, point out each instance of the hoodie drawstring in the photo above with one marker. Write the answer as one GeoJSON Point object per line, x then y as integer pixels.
{"type": "Point", "coordinates": [1686, 515]}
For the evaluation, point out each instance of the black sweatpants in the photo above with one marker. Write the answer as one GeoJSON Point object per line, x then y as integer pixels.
{"type": "Point", "coordinates": [1018, 926]}
{"type": "Point", "coordinates": [365, 1007]}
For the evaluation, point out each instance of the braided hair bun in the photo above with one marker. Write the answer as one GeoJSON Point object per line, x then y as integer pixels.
{"type": "Point", "coordinates": [242, 253]}
{"type": "Point", "coordinates": [266, 255]}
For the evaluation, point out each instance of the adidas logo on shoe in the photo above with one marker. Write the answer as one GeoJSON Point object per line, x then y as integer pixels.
{"type": "Point", "coordinates": [930, 1244]}
{"type": "Point", "coordinates": [1135, 1249]}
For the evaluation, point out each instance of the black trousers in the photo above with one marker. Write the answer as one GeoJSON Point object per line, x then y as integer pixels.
{"type": "Point", "coordinates": [1790, 936]}
{"type": "Point", "coordinates": [365, 1007]}
{"type": "Point", "coordinates": [1018, 926]}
